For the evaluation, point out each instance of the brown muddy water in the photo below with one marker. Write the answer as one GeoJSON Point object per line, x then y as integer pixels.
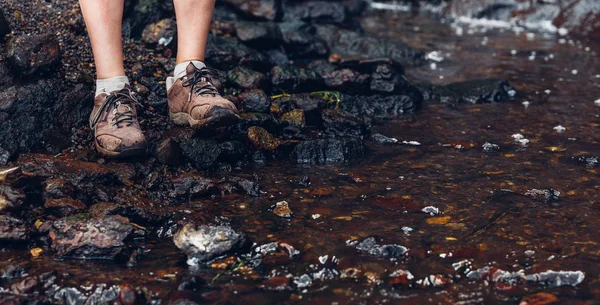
{"type": "Point", "coordinates": [515, 218]}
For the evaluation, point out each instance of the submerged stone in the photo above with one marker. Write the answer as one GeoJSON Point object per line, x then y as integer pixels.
{"type": "Point", "coordinates": [370, 246]}
{"type": "Point", "coordinates": [474, 92]}
{"type": "Point", "coordinates": [328, 151]}
{"type": "Point", "coordinates": [204, 243]}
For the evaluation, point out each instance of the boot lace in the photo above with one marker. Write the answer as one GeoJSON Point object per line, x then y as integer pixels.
{"type": "Point", "coordinates": [124, 97]}
{"type": "Point", "coordinates": [201, 81]}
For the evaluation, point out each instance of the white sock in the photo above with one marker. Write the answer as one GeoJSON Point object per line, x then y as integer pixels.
{"type": "Point", "coordinates": [108, 85]}
{"type": "Point", "coordinates": [181, 67]}
{"type": "Point", "coordinates": [180, 71]}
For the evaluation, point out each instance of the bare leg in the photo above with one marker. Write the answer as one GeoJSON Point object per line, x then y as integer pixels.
{"type": "Point", "coordinates": [103, 19]}
{"type": "Point", "coordinates": [193, 24]}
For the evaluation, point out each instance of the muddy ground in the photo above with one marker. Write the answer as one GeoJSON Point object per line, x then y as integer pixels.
{"type": "Point", "coordinates": [381, 157]}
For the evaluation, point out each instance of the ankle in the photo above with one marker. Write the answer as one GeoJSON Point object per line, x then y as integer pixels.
{"type": "Point", "coordinates": [180, 68]}
{"type": "Point", "coordinates": [107, 85]}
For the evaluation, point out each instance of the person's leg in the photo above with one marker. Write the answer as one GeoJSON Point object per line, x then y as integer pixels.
{"type": "Point", "coordinates": [193, 23]}
{"type": "Point", "coordinates": [114, 121]}
{"type": "Point", "coordinates": [103, 19]}
{"type": "Point", "coordinates": [193, 99]}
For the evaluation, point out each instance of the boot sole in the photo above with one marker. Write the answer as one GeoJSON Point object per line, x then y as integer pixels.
{"type": "Point", "coordinates": [221, 118]}
{"type": "Point", "coordinates": [134, 152]}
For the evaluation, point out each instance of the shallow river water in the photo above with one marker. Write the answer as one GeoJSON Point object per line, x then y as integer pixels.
{"type": "Point", "coordinates": [511, 218]}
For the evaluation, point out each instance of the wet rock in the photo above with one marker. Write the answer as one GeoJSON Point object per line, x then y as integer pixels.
{"type": "Point", "coordinates": [276, 57]}
{"type": "Point", "coordinates": [347, 80]}
{"type": "Point", "coordinates": [140, 13]}
{"type": "Point", "coordinates": [62, 207]}
{"type": "Point", "coordinates": [168, 152]}
{"type": "Point", "coordinates": [30, 54]}
{"type": "Point", "coordinates": [318, 11]}
{"type": "Point", "coordinates": [335, 125]}
{"type": "Point", "coordinates": [474, 92]}
{"type": "Point", "coordinates": [282, 209]}
{"type": "Point", "coordinates": [74, 107]}
{"type": "Point", "coordinates": [388, 79]}
{"type": "Point", "coordinates": [291, 78]}
{"type": "Point", "coordinates": [588, 161]}
{"type": "Point", "coordinates": [192, 186]}
{"type": "Point", "coordinates": [260, 9]}
{"type": "Point", "coordinates": [370, 246]}
{"type": "Point", "coordinates": [245, 78]}
{"type": "Point", "coordinates": [4, 25]}
{"type": "Point", "coordinates": [11, 198]}
{"type": "Point", "coordinates": [548, 196]}
{"type": "Point", "coordinates": [255, 100]}
{"type": "Point", "coordinates": [258, 34]}
{"type": "Point", "coordinates": [5, 156]}
{"type": "Point", "coordinates": [241, 186]}
{"type": "Point", "coordinates": [263, 120]}
{"type": "Point", "coordinates": [294, 117]}
{"type": "Point", "coordinates": [11, 272]}
{"type": "Point", "coordinates": [581, 17]}
{"type": "Point", "coordinates": [352, 46]}
{"type": "Point", "coordinates": [311, 104]}
{"type": "Point", "coordinates": [382, 139]}
{"type": "Point", "coordinates": [203, 153]}
{"type": "Point", "coordinates": [380, 106]}
{"type": "Point", "coordinates": [226, 53]}
{"type": "Point", "coordinates": [101, 238]}
{"type": "Point", "coordinates": [13, 229]}
{"type": "Point", "coordinates": [162, 32]}
{"type": "Point", "coordinates": [300, 41]}
{"type": "Point", "coordinates": [488, 9]}
{"type": "Point", "coordinates": [322, 67]}
{"type": "Point", "coordinates": [262, 139]}
{"type": "Point", "coordinates": [328, 151]}
{"type": "Point", "coordinates": [25, 113]}
{"type": "Point", "coordinates": [204, 243]}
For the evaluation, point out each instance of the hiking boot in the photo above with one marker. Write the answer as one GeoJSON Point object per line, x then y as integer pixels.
{"type": "Point", "coordinates": [114, 121]}
{"type": "Point", "coordinates": [194, 101]}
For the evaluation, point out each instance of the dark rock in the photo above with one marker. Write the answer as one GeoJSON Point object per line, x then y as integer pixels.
{"type": "Point", "coordinates": [547, 196]}
{"type": "Point", "coordinates": [162, 32]}
{"type": "Point", "coordinates": [328, 151]}
{"type": "Point", "coordinates": [74, 107]}
{"type": "Point", "coordinates": [168, 152]}
{"type": "Point", "coordinates": [241, 186]}
{"type": "Point", "coordinates": [474, 92]}
{"type": "Point", "coordinates": [204, 243]}
{"type": "Point", "coordinates": [318, 11]}
{"type": "Point", "coordinates": [262, 139]}
{"type": "Point", "coordinates": [388, 79]}
{"type": "Point", "coordinates": [488, 9]}
{"type": "Point", "coordinates": [263, 120]}
{"type": "Point", "coordinates": [203, 153]}
{"type": "Point", "coordinates": [352, 46]}
{"type": "Point", "coordinates": [13, 229]}
{"type": "Point", "coordinates": [101, 238]}
{"type": "Point", "coordinates": [192, 186]}
{"type": "Point", "coordinates": [32, 54]}
{"type": "Point", "coordinates": [300, 41]}
{"type": "Point", "coordinates": [277, 58]}
{"type": "Point", "coordinates": [24, 116]}
{"type": "Point", "coordinates": [259, 9]}
{"type": "Point", "coordinates": [5, 156]}
{"type": "Point", "coordinates": [11, 199]}
{"type": "Point", "coordinates": [140, 13]}
{"type": "Point", "coordinates": [381, 139]}
{"type": "Point", "coordinates": [588, 161]}
{"type": "Point", "coordinates": [335, 125]}
{"type": "Point", "coordinates": [255, 100]}
{"type": "Point", "coordinates": [322, 67]}
{"type": "Point", "coordinates": [307, 102]}
{"type": "Point", "coordinates": [304, 181]}
{"type": "Point", "coordinates": [370, 246]}
{"type": "Point", "coordinates": [4, 25]}
{"type": "Point", "coordinates": [379, 107]}
{"type": "Point", "coordinates": [260, 35]}
{"type": "Point", "coordinates": [295, 79]}
{"type": "Point", "coordinates": [233, 151]}
{"type": "Point", "coordinates": [245, 78]}
{"type": "Point", "coordinates": [347, 80]}
{"type": "Point", "coordinates": [12, 272]}
{"type": "Point", "coordinates": [226, 53]}
{"type": "Point", "coordinates": [62, 207]}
